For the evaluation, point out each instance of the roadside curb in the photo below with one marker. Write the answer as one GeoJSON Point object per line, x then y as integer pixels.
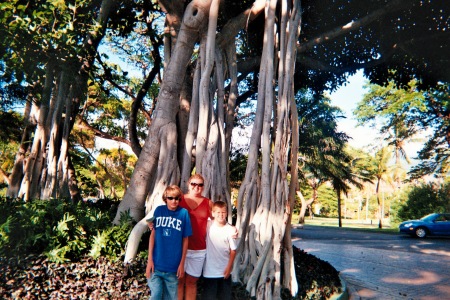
{"type": "Point", "coordinates": [344, 295]}
{"type": "Point", "coordinates": [348, 291]}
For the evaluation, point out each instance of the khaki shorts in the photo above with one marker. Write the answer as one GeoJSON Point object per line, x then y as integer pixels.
{"type": "Point", "coordinates": [194, 262]}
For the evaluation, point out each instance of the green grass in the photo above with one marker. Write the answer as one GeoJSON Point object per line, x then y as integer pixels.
{"type": "Point", "coordinates": [349, 224]}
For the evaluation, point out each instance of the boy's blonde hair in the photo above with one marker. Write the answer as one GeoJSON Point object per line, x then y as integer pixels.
{"type": "Point", "coordinates": [220, 204]}
{"type": "Point", "coordinates": [173, 190]}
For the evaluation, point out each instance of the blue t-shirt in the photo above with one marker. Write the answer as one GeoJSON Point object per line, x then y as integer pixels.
{"type": "Point", "coordinates": [170, 229]}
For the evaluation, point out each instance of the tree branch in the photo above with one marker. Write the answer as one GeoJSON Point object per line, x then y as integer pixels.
{"type": "Point", "coordinates": [233, 26]}
{"type": "Point", "coordinates": [341, 30]}
{"type": "Point", "coordinates": [83, 124]}
{"type": "Point", "coordinates": [137, 101]}
{"type": "Point", "coordinates": [108, 77]}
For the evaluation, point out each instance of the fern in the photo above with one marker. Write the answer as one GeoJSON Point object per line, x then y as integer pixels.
{"type": "Point", "coordinates": [99, 242]}
{"type": "Point", "coordinates": [57, 255]}
{"type": "Point", "coordinates": [4, 235]}
{"type": "Point", "coordinates": [61, 230]}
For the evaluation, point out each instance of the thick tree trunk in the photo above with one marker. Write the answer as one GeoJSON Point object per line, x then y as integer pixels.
{"type": "Point", "coordinates": [145, 177]}
{"type": "Point", "coordinates": [17, 173]}
{"type": "Point", "coordinates": [211, 160]}
{"type": "Point", "coordinates": [47, 168]}
{"type": "Point", "coordinates": [305, 203]}
{"type": "Point", "coordinates": [264, 203]}
{"type": "Point", "coordinates": [33, 164]}
{"type": "Point", "coordinates": [50, 184]}
{"type": "Point", "coordinates": [380, 212]}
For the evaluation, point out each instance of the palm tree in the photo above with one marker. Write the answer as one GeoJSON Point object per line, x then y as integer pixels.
{"type": "Point", "coordinates": [398, 135]}
{"type": "Point", "coordinates": [382, 173]}
{"type": "Point", "coordinates": [322, 147]}
{"type": "Point", "coordinates": [392, 106]}
{"type": "Point", "coordinates": [363, 168]}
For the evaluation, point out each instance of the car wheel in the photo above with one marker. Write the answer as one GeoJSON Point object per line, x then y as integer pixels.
{"type": "Point", "coordinates": [421, 232]}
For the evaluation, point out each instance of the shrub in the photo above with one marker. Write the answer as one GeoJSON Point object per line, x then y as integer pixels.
{"type": "Point", "coordinates": [61, 230]}
{"type": "Point", "coordinates": [423, 200]}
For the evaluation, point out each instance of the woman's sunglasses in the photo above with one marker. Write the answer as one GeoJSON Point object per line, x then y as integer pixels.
{"type": "Point", "coordinates": [194, 184]}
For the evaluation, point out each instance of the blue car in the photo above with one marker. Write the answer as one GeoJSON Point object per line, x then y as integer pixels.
{"type": "Point", "coordinates": [432, 224]}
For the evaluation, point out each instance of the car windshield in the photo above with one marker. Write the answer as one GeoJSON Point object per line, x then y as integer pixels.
{"type": "Point", "coordinates": [429, 217]}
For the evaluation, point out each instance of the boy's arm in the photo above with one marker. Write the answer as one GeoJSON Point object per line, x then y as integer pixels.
{"type": "Point", "coordinates": [236, 232]}
{"type": "Point", "coordinates": [229, 267]}
{"type": "Point", "coordinates": [180, 272]}
{"type": "Point", "coordinates": [150, 266]}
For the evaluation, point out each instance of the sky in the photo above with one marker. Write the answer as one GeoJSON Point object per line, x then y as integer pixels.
{"type": "Point", "coordinates": [346, 98]}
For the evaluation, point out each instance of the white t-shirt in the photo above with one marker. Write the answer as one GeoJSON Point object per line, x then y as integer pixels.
{"type": "Point", "coordinates": [219, 241]}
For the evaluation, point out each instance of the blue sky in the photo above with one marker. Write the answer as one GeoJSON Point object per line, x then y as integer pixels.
{"type": "Point", "coordinates": [346, 98]}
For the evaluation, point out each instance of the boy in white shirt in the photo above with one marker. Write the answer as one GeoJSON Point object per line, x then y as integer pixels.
{"type": "Point", "coordinates": [220, 254]}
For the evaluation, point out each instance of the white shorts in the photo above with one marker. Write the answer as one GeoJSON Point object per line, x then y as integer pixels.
{"type": "Point", "coordinates": [194, 262]}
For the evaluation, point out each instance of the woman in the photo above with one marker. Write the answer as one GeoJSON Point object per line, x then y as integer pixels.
{"type": "Point", "coordinates": [199, 209]}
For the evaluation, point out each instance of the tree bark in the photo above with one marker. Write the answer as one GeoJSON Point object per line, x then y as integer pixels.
{"type": "Point", "coordinates": [380, 216]}
{"type": "Point", "coordinates": [264, 199]}
{"type": "Point", "coordinates": [143, 178]}
{"type": "Point", "coordinates": [33, 164]}
{"type": "Point", "coordinates": [305, 203]}
{"type": "Point", "coordinates": [338, 192]}
{"type": "Point", "coordinates": [17, 173]}
{"type": "Point", "coordinates": [50, 174]}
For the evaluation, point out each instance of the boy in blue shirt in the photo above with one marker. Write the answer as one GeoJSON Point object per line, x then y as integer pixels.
{"type": "Point", "coordinates": [168, 246]}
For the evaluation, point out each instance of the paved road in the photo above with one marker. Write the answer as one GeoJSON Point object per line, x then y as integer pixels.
{"type": "Point", "coordinates": [382, 266]}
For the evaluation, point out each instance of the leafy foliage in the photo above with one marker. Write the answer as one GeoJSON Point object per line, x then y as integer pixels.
{"type": "Point", "coordinates": [393, 108]}
{"type": "Point", "coordinates": [8, 151]}
{"type": "Point", "coordinates": [237, 164]}
{"type": "Point", "coordinates": [435, 154]}
{"type": "Point", "coordinates": [328, 202]}
{"type": "Point", "coordinates": [322, 152]}
{"type": "Point", "coordinates": [63, 231]}
{"type": "Point", "coordinates": [425, 199]}
{"type": "Point", "coordinates": [405, 112]}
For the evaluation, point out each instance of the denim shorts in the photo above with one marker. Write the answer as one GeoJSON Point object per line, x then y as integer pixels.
{"type": "Point", "coordinates": [163, 285]}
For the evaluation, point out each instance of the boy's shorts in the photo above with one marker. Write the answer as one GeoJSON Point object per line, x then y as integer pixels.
{"type": "Point", "coordinates": [194, 262]}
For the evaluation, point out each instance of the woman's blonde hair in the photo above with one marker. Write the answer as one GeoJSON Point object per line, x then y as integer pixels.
{"type": "Point", "coordinates": [196, 176]}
